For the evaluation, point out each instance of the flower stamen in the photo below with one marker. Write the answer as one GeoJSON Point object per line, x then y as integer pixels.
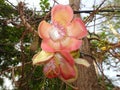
{"type": "Point", "coordinates": [56, 33]}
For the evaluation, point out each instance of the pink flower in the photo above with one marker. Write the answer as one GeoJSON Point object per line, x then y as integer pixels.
{"type": "Point", "coordinates": [64, 33]}
{"type": "Point", "coordinates": [59, 39]}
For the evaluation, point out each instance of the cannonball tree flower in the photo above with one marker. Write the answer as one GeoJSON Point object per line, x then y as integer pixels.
{"type": "Point", "coordinates": [59, 39]}
{"type": "Point", "coordinates": [64, 32]}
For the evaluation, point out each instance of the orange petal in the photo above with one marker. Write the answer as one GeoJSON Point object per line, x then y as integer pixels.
{"type": "Point", "coordinates": [66, 70]}
{"type": "Point", "coordinates": [42, 57]}
{"type": "Point", "coordinates": [71, 44]}
{"type": "Point", "coordinates": [50, 46]}
{"type": "Point", "coordinates": [77, 29]}
{"type": "Point", "coordinates": [74, 78]}
{"type": "Point", "coordinates": [62, 14]}
{"type": "Point", "coordinates": [46, 47]}
{"type": "Point", "coordinates": [43, 29]}
{"type": "Point", "coordinates": [68, 57]}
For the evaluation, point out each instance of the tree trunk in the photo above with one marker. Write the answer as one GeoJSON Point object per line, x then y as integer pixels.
{"type": "Point", "coordinates": [87, 78]}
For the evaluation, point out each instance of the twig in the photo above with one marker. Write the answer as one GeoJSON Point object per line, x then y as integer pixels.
{"type": "Point", "coordinates": [22, 17]}
{"type": "Point", "coordinates": [118, 75]}
{"type": "Point", "coordinates": [90, 11]}
{"type": "Point", "coordinates": [11, 4]}
{"type": "Point", "coordinates": [96, 64]}
{"type": "Point", "coordinates": [9, 69]}
{"type": "Point", "coordinates": [73, 87]}
{"type": "Point", "coordinates": [55, 1]}
{"type": "Point", "coordinates": [94, 12]}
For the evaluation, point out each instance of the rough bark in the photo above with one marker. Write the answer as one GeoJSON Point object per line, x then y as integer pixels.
{"type": "Point", "coordinates": [87, 78]}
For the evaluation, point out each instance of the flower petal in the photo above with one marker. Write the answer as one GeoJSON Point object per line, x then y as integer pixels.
{"type": "Point", "coordinates": [74, 78]}
{"type": "Point", "coordinates": [68, 57]}
{"type": "Point", "coordinates": [71, 44]}
{"type": "Point", "coordinates": [66, 70]}
{"type": "Point", "coordinates": [62, 14]}
{"type": "Point", "coordinates": [50, 46]}
{"type": "Point", "coordinates": [45, 46]}
{"type": "Point", "coordinates": [77, 29]}
{"type": "Point", "coordinates": [82, 62]}
{"type": "Point", "coordinates": [51, 69]}
{"type": "Point", "coordinates": [43, 29]}
{"type": "Point", "coordinates": [42, 57]}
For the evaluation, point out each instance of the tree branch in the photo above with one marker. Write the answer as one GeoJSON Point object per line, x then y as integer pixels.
{"type": "Point", "coordinates": [22, 17]}
{"type": "Point", "coordinates": [94, 12]}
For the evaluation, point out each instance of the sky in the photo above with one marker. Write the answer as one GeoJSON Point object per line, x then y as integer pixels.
{"type": "Point", "coordinates": [86, 5]}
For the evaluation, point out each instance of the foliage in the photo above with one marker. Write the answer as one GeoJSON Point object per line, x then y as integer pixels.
{"type": "Point", "coordinates": [44, 5]}
{"type": "Point", "coordinates": [105, 39]}
{"type": "Point", "coordinates": [4, 8]}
